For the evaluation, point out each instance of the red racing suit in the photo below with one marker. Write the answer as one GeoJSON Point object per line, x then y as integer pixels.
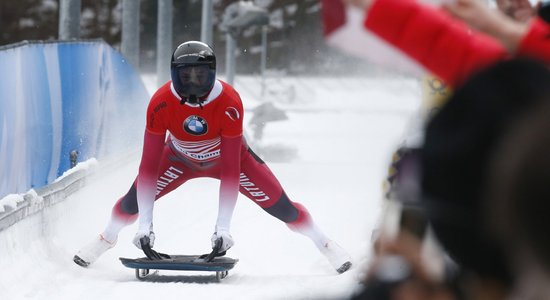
{"type": "Point", "coordinates": [203, 141]}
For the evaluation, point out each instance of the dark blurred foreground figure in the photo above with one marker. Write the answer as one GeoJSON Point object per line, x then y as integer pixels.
{"type": "Point", "coordinates": [462, 141]}
{"type": "Point", "coordinates": [517, 201]}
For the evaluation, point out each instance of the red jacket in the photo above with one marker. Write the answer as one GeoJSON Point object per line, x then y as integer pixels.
{"type": "Point", "coordinates": [536, 43]}
{"type": "Point", "coordinates": [445, 46]}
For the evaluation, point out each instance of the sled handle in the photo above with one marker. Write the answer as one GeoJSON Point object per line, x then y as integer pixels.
{"type": "Point", "coordinates": [149, 252]}
{"type": "Point", "coordinates": [215, 251]}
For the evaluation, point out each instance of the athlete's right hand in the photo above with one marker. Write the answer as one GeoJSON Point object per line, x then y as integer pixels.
{"type": "Point", "coordinates": [224, 237]}
{"type": "Point", "coordinates": [149, 234]}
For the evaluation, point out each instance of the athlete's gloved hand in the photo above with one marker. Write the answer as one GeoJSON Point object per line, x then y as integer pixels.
{"type": "Point", "coordinates": [225, 238]}
{"type": "Point", "coordinates": [149, 234]}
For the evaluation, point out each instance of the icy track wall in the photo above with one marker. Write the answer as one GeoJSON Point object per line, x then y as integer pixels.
{"type": "Point", "coordinates": [62, 97]}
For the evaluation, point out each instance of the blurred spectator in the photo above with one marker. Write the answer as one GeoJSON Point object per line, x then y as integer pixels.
{"type": "Point", "coordinates": [435, 92]}
{"type": "Point", "coordinates": [454, 157]}
{"type": "Point", "coordinates": [461, 141]}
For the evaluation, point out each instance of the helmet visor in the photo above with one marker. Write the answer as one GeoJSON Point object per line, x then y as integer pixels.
{"type": "Point", "coordinates": [197, 75]}
{"type": "Point", "coordinates": [195, 79]}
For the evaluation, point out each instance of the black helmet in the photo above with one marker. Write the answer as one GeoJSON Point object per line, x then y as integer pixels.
{"type": "Point", "coordinates": [193, 71]}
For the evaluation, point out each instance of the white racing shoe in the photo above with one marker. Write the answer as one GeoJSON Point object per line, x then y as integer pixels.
{"type": "Point", "coordinates": [338, 257]}
{"type": "Point", "coordinates": [92, 251]}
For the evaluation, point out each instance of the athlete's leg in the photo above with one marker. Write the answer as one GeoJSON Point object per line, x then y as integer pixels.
{"type": "Point", "coordinates": [172, 173]}
{"type": "Point", "coordinates": [260, 185]}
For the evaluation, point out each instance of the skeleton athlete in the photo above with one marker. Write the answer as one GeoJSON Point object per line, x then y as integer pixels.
{"type": "Point", "coordinates": [204, 119]}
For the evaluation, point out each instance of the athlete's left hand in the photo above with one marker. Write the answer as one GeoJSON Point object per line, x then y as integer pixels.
{"type": "Point", "coordinates": [148, 234]}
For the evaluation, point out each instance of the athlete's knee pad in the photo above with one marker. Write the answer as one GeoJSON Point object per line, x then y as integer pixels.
{"type": "Point", "coordinates": [126, 207]}
{"type": "Point", "coordinates": [302, 219]}
{"type": "Point", "coordinates": [284, 209]}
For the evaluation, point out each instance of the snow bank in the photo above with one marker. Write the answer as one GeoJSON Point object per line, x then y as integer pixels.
{"type": "Point", "coordinates": [15, 207]}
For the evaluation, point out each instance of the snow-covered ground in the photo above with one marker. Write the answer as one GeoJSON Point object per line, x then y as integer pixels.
{"type": "Point", "coordinates": [340, 132]}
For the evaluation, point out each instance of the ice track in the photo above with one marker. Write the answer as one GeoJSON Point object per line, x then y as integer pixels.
{"type": "Point", "coordinates": [342, 131]}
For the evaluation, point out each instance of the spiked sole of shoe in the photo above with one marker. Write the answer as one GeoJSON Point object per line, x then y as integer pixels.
{"type": "Point", "coordinates": [79, 261]}
{"type": "Point", "coordinates": [343, 268]}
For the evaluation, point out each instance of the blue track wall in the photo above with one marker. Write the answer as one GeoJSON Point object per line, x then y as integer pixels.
{"type": "Point", "coordinates": [61, 97]}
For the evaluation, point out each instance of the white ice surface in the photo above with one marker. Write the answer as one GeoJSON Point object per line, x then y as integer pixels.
{"type": "Point", "coordinates": [344, 131]}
